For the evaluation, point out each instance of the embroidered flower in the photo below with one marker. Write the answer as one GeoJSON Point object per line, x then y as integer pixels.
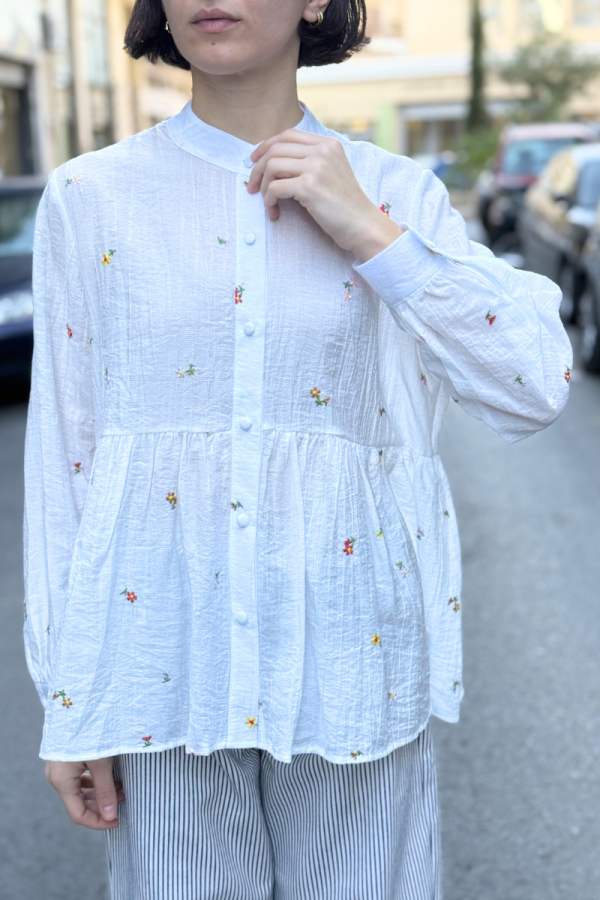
{"type": "Point", "coordinates": [208, 433]}
{"type": "Point", "coordinates": [420, 533]}
{"type": "Point", "coordinates": [172, 499]}
{"type": "Point", "coordinates": [380, 532]}
{"type": "Point", "coordinates": [74, 180]}
{"type": "Point", "coordinates": [251, 721]}
{"type": "Point", "coordinates": [236, 505]}
{"type": "Point", "coordinates": [519, 379]}
{"type": "Point", "coordinates": [348, 286]}
{"type": "Point", "coordinates": [376, 640]}
{"type": "Point", "coordinates": [129, 595]}
{"type": "Point", "coordinates": [223, 242]}
{"type": "Point", "coordinates": [57, 694]}
{"type": "Point", "coordinates": [356, 754]}
{"type": "Point", "coordinates": [381, 410]}
{"type": "Point", "coordinates": [391, 695]}
{"type": "Point", "coordinates": [454, 600]}
{"type": "Point", "coordinates": [67, 702]}
{"type": "Point", "coordinates": [403, 570]}
{"type": "Point", "coordinates": [90, 340]}
{"type": "Point", "coordinates": [456, 684]}
{"type": "Point", "coordinates": [77, 467]}
{"type": "Point", "coordinates": [166, 677]}
{"type": "Point", "coordinates": [106, 375]}
{"type": "Point", "coordinates": [320, 401]}
{"type": "Point", "coordinates": [380, 456]}
{"type": "Point", "coordinates": [491, 319]}
{"type": "Point", "coordinates": [349, 546]}
{"type": "Point", "coordinates": [147, 740]}
{"type": "Point", "coordinates": [446, 513]}
{"type": "Point", "coordinates": [237, 294]}
{"type": "Point", "coordinates": [567, 374]}
{"type": "Point", "coordinates": [216, 584]}
{"type": "Point", "coordinates": [69, 330]}
{"type": "Point", "coordinates": [107, 257]}
{"type": "Point", "coordinates": [424, 378]}
{"type": "Point", "coordinates": [385, 208]}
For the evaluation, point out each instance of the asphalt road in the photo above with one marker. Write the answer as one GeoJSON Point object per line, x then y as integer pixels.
{"type": "Point", "coordinates": [519, 775]}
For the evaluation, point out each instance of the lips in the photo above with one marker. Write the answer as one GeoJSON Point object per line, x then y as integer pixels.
{"type": "Point", "coordinates": [214, 17]}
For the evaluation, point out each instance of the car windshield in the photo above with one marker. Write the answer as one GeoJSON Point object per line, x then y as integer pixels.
{"type": "Point", "coordinates": [17, 220]}
{"type": "Point", "coordinates": [588, 189]}
{"type": "Point", "coordinates": [530, 157]}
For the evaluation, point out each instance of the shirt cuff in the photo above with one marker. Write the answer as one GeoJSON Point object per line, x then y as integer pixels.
{"type": "Point", "coordinates": [404, 267]}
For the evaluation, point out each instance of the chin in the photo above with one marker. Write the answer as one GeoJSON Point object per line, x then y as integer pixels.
{"type": "Point", "coordinates": [219, 59]}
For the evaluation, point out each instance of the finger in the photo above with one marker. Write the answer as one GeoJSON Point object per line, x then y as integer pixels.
{"type": "Point", "coordinates": [88, 782]}
{"type": "Point", "coordinates": [281, 168]}
{"type": "Point", "coordinates": [280, 189]}
{"type": "Point", "coordinates": [279, 151]}
{"type": "Point", "coordinates": [92, 804]}
{"type": "Point", "coordinates": [291, 135]}
{"type": "Point", "coordinates": [106, 794]}
{"type": "Point", "coordinates": [80, 815]}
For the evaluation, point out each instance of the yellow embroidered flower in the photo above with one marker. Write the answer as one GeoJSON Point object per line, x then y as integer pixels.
{"type": "Point", "coordinates": [380, 532]}
{"type": "Point", "coordinates": [251, 721]}
{"type": "Point", "coordinates": [67, 702]}
{"type": "Point", "coordinates": [375, 640]}
{"type": "Point", "coordinates": [107, 257]}
{"type": "Point", "coordinates": [391, 695]}
{"type": "Point", "coordinates": [172, 498]}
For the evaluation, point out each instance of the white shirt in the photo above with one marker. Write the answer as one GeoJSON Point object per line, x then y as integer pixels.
{"type": "Point", "coordinates": [238, 530]}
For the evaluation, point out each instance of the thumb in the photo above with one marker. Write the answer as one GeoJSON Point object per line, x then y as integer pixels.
{"type": "Point", "coordinates": [105, 791]}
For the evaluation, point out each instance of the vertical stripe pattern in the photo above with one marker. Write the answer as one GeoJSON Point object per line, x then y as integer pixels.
{"type": "Point", "coordinates": [240, 824]}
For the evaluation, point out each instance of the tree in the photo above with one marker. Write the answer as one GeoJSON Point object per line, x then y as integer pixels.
{"type": "Point", "coordinates": [551, 72]}
{"type": "Point", "coordinates": [477, 116]}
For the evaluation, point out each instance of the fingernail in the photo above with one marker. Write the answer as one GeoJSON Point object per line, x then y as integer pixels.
{"type": "Point", "coordinates": [109, 812]}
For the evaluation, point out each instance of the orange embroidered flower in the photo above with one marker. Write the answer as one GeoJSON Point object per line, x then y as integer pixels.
{"type": "Point", "coordinates": [251, 721]}
{"type": "Point", "coordinates": [57, 694]}
{"type": "Point", "coordinates": [349, 546]}
{"type": "Point", "coordinates": [69, 331]}
{"type": "Point", "coordinates": [424, 378]}
{"type": "Point", "coordinates": [237, 295]}
{"type": "Point", "coordinates": [567, 374]}
{"type": "Point", "coordinates": [107, 257]}
{"type": "Point", "coordinates": [172, 498]}
{"type": "Point", "coordinates": [129, 595]}
{"type": "Point", "coordinates": [77, 467]}
{"type": "Point", "coordinates": [454, 600]}
{"type": "Point", "coordinates": [316, 393]}
{"type": "Point", "coordinates": [147, 740]}
{"type": "Point", "coordinates": [385, 208]}
{"type": "Point", "coordinates": [236, 505]}
{"type": "Point", "coordinates": [356, 754]}
{"type": "Point", "coordinates": [491, 319]}
{"type": "Point", "coordinates": [376, 640]}
{"type": "Point", "coordinates": [67, 702]}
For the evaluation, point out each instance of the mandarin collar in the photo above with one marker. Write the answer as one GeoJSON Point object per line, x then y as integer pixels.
{"type": "Point", "coordinates": [219, 147]}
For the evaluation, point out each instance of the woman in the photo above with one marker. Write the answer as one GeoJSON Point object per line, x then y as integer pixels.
{"type": "Point", "coordinates": [242, 564]}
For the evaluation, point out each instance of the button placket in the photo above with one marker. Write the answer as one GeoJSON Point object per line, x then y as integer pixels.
{"type": "Point", "coordinates": [246, 449]}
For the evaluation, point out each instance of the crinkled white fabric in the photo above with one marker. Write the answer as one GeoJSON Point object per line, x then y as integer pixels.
{"type": "Point", "coordinates": [238, 532]}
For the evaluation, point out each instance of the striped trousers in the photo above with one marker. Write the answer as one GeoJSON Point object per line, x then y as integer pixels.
{"type": "Point", "coordinates": [239, 825]}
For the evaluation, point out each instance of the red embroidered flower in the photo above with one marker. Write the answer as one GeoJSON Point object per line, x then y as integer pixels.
{"type": "Point", "coordinates": [237, 295]}
{"type": "Point", "coordinates": [567, 375]}
{"type": "Point", "coordinates": [147, 740]}
{"type": "Point", "coordinates": [356, 754]}
{"type": "Point", "coordinates": [107, 257]}
{"type": "Point", "coordinates": [491, 319]}
{"type": "Point", "coordinates": [251, 721]}
{"type": "Point", "coordinates": [129, 595]}
{"type": "Point", "coordinates": [385, 208]}
{"type": "Point", "coordinates": [376, 640]}
{"type": "Point", "coordinates": [69, 331]}
{"type": "Point", "coordinates": [320, 401]}
{"type": "Point", "coordinates": [77, 467]}
{"type": "Point", "coordinates": [349, 546]}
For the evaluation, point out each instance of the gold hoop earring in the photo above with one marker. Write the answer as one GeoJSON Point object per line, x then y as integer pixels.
{"type": "Point", "coordinates": [319, 21]}
{"type": "Point", "coordinates": [167, 28]}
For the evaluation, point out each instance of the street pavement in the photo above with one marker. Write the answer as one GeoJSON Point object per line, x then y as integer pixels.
{"type": "Point", "coordinates": [518, 776]}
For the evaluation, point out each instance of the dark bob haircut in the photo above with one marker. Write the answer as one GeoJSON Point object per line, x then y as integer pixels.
{"type": "Point", "coordinates": [341, 33]}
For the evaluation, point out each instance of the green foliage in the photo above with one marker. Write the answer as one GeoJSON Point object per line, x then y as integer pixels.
{"type": "Point", "coordinates": [552, 72]}
{"type": "Point", "coordinates": [474, 150]}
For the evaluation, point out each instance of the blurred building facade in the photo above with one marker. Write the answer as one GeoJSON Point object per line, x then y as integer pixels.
{"type": "Point", "coordinates": [67, 86]}
{"type": "Point", "coordinates": [409, 89]}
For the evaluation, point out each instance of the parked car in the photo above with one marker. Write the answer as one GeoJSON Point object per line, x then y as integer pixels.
{"type": "Point", "coordinates": [523, 151]}
{"type": "Point", "coordinates": [556, 218]}
{"type": "Point", "coordinates": [589, 305]}
{"type": "Point", "coordinates": [19, 199]}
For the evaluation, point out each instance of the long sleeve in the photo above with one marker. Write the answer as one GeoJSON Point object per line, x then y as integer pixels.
{"type": "Point", "coordinates": [60, 442]}
{"type": "Point", "coordinates": [490, 332]}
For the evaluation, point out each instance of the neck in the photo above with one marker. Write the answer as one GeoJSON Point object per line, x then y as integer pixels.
{"type": "Point", "coordinates": [251, 105]}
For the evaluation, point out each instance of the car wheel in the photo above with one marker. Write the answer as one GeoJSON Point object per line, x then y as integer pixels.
{"type": "Point", "coordinates": [566, 282]}
{"type": "Point", "coordinates": [590, 322]}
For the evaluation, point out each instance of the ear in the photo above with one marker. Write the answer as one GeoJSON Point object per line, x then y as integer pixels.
{"type": "Point", "coordinates": [312, 10]}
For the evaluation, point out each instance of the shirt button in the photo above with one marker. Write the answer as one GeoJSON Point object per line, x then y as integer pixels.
{"type": "Point", "coordinates": [242, 519]}
{"type": "Point", "coordinates": [250, 237]}
{"type": "Point", "coordinates": [241, 617]}
{"type": "Point", "coordinates": [248, 162]}
{"type": "Point", "coordinates": [249, 328]}
{"type": "Point", "coordinates": [246, 423]}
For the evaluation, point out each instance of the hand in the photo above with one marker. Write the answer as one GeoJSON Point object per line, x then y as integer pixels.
{"type": "Point", "coordinates": [88, 791]}
{"type": "Point", "coordinates": [315, 171]}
